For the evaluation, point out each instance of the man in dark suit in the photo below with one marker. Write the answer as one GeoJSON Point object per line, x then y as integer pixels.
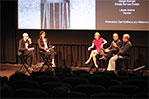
{"type": "Point", "coordinates": [112, 49]}
{"type": "Point", "coordinates": [123, 52]}
{"type": "Point", "coordinates": [25, 49]}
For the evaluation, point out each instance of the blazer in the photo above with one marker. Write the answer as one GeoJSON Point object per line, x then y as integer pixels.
{"type": "Point", "coordinates": [124, 50]}
{"type": "Point", "coordinates": [113, 48]}
{"type": "Point", "coordinates": [22, 47]}
{"type": "Point", "coordinates": [41, 45]}
{"type": "Point", "coordinates": [118, 43]}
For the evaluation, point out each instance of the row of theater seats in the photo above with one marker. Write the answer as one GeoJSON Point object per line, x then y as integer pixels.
{"type": "Point", "coordinates": [76, 84]}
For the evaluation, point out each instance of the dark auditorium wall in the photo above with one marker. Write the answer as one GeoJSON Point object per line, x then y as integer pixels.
{"type": "Point", "coordinates": [10, 34]}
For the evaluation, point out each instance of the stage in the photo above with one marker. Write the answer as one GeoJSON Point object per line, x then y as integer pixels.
{"type": "Point", "coordinates": [9, 69]}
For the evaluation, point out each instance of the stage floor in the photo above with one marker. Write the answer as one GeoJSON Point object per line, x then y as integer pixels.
{"type": "Point", "coordinates": [9, 69]}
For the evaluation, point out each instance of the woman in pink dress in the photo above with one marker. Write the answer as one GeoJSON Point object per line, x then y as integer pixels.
{"type": "Point", "coordinates": [98, 42]}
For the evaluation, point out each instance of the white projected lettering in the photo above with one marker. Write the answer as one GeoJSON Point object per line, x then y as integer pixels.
{"type": "Point", "coordinates": [127, 11]}
{"type": "Point", "coordinates": [126, 3]}
{"type": "Point", "coordinates": [146, 22]}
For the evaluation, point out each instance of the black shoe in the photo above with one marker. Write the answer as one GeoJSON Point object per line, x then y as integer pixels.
{"type": "Point", "coordinates": [103, 58]}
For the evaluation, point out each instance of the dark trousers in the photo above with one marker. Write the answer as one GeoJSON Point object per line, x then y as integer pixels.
{"type": "Point", "coordinates": [28, 56]}
{"type": "Point", "coordinates": [109, 54]}
{"type": "Point", "coordinates": [50, 55]}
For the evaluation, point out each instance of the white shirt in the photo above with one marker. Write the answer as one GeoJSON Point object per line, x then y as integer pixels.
{"type": "Point", "coordinates": [45, 44]}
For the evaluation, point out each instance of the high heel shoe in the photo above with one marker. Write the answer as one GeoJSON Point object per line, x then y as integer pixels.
{"type": "Point", "coordinates": [86, 62]}
{"type": "Point", "coordinates": [53, 64]}
{"type": "Point", "coordinates": [96, 66]}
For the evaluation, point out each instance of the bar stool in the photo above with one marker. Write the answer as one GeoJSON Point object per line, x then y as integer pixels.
{"type": "Point", "coordinates": [23, 59]}
{"type": "Point", "coordinates": [46, 62]}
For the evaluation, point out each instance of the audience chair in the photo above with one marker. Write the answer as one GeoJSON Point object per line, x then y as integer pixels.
{"type": "Point", "coordinates": [140, 96]}
{"type": "Point", "coordinates": [74, 95]}
{"type": "Point", "coordinates": [108, 96]}
{"type": "Point", "coordinates": [75, 81]}
{"type": "Point", "coordinates": [139, 83]}
{"type": "Point", "coordinates": [30, 93]}
{"type": "Point", "coordinates": [24, 84]}
{"type": "Point", "coordinates": [89, 89]}
{"type": "Point", "coordinates": [125, 89]}
{"type": "Point", "coordinates": [49, 86]}
{"type": "Point", "coordinates": [45, 78]}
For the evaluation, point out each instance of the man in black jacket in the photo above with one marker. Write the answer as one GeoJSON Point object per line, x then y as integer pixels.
{"type": "Point", "coordinates": [123, 52]}
{"type": "Point", "coordinates": [25, 49]}
{"type": "Point", "coordinates": [112, 49]}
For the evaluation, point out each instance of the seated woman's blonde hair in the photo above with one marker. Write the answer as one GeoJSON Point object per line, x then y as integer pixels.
{"type": "Point", "coordinates": [97, 34]}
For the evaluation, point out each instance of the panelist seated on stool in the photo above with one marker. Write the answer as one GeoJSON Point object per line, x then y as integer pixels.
{"type": "Point", "coordinates": [46, 50]}
{"type": "Point", "coordinates": [25, 51]}
{"type": "Point", "coordinates": [102, 63]}
{"type": "Point", "coordinates": [98, 42]}
{"type": "Point", "coordinates": [111, 50]}
{"type": "Point", "coordinates": [123, 52]}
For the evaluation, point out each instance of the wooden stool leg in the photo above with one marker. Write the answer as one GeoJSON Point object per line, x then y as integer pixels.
{"type": "Point", "coordinates": [42, 67]}
{"type": "Point", "coordinates": [26, 69]}
{"type": "Point", "coordinates": [23, 65]}
{"type": "Point", "coordinates": [45, 62]}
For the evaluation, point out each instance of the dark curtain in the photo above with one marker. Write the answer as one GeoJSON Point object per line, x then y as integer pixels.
{"type": "Point", "coordinates": [76, 55]}
{"type": "Point", "coordinates": [8, 31]}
